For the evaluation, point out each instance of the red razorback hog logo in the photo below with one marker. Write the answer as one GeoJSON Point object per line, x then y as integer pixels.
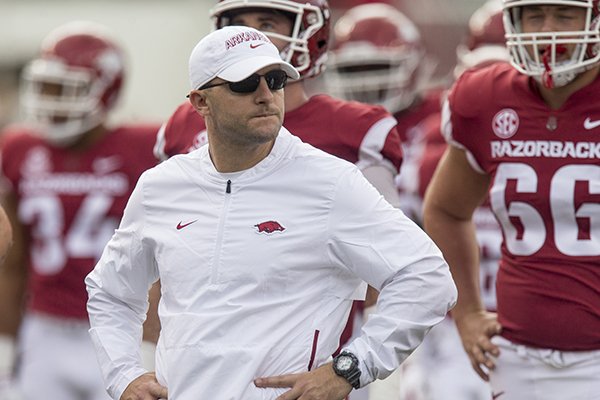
{"type": "Point", "coordinates": [269, 227]}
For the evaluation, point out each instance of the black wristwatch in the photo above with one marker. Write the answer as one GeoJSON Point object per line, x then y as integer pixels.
{"type": "Point", "coordinates": [345, 365]}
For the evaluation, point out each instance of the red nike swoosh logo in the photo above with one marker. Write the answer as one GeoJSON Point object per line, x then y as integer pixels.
{"type": "Point", "coordinates": [253, 46]}
{"type": "Point", "coordinates": [181, 226]}
{"type": "Point", "coordinates": [496, 395]}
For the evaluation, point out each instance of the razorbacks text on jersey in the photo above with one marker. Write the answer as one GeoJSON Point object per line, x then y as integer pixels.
{"type": "Point", "coordinates": [545, 193]}
{"type": "Point", "coordinates": [359, 133]}
{"type": "Point", "coordinates": [70, 203]}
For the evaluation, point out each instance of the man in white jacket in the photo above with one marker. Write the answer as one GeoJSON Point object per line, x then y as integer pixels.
{"type": "Point", "coordinates": [261, 243]}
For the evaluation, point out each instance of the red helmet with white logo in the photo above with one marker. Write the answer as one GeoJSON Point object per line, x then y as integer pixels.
{"type": "Point", "coordinates": [543, 60]}
{"type": "Point", "coordinates": [377, 57]}
{"type": "Point", "coordinates": [485, 42]}
{"type": "Point", "coordinates": [74, 82]}
{"type": "Point", "coordinates": [309, 39]}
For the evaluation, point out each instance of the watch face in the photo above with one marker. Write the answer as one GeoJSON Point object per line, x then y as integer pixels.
{"type": "Point", "coordinates": [344, 363]}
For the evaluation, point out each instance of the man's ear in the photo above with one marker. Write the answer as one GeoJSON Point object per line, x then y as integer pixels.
{"type": "Point", "coordinates": [198, 100]}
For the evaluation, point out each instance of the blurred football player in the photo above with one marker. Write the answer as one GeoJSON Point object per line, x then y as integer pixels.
{"type": "Point", "coordinates": [379, 58]}
{"type": "Point", "coordinates": [66, 179]}
{"type": "Point", "coordinates": [525, 135]}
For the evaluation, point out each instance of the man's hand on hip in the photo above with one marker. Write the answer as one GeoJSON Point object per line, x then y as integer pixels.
{"type": "Point", "coordinates": [145, 387]}
{"type": "Point", "coordinates": [320, 384]}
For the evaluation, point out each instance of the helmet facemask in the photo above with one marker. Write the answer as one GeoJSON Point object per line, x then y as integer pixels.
{"type": "Point", "coordinates": [384, 77]}
{"type": "Point", "coordinates": [71, 106]}
{"type": "Point", "coordinates": [537, 54]}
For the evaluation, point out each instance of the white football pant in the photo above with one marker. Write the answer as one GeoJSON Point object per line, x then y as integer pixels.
{"type": "Point", "coordinates": [58, 361]}
{"type": "Point", "coordinates": [543, 374]}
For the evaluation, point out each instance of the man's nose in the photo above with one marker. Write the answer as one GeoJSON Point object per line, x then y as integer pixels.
{"type": "Point", "coordinates": [263, 93]}
{"type": "Point", "coordinates": [548, 24]}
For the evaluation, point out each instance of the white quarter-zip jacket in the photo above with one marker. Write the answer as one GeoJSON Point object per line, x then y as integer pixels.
{"type": "Point", "coordinates": [258, 274]}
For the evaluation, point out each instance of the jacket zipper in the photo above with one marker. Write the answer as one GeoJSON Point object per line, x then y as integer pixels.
{"type": "Point", "coordinates": [217, 259]}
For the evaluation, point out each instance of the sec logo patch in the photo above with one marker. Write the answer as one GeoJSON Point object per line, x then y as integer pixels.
{"type": "Point", "coordinates": [505, 123]}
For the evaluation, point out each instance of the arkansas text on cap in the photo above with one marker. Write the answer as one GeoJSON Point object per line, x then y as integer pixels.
{"type": "Point", "coordinates": [233, 53]}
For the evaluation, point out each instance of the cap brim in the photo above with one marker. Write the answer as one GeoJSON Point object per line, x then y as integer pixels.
{"type": "Point", "coordinates": [244, 68]}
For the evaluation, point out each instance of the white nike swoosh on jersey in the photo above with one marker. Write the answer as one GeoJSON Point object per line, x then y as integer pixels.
{"type": "Point", "coordinates": [589, 124]}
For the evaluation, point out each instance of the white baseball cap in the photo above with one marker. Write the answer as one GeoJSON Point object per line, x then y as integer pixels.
{"type": "Point", "coordinates": [233, 53]}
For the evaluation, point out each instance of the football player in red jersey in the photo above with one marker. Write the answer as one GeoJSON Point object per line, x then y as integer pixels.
{"type": "Point", "coordinates": [527, 135]}
{"type": "Point", "coordinates": [378, 57]}
{"type": "Point", "coordinates": [67, 177]}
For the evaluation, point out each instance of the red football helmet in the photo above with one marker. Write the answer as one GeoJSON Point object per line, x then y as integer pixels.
{"type": "Point", "coordinates": [308, 42]}
{"type": "Point", "coordinates": [377, 57]}
{"type": "Point", "coordinates": [485, 42]}
{"type": "Point", "coordinates": [74, 82]}
{"type": "Point", "coordinates": [540, 61]}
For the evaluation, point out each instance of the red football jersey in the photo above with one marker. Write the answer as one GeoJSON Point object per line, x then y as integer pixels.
{"type": "Point", "coordinates": [411, 130]}
{"type": "Point", "coordinates": [360, 133]}
{"type": "Point", "coordinates": [545, 193]}
{"type": "Point", "coordinates": [410, 118]}
{"type": "Point", "coordinates": [434, 146]}
{"type": "Point", "coordinates": [70, 203]}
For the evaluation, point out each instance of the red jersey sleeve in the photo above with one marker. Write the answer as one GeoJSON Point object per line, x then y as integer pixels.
{"type": "Point", "coordinates": [360, 133]}
{"type": "Point", "coordinates": [184, 131]}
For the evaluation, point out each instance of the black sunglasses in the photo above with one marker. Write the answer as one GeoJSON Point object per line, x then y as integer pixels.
{"type": "Point", "coordinates": [276, 80]}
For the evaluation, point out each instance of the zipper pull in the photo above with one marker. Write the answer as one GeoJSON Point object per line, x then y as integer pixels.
{"type": "Point", "coordinates": [228, 190]}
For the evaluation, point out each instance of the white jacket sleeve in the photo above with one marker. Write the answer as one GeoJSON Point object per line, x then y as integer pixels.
{"type": "Point", "coordinates": [118, 298]}
{"type": "Point", "coordinates": [383, 180]}
{"type": "Point", "coordinates": [382, 246]}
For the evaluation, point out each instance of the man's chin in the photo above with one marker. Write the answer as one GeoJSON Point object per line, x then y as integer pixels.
{"type": "Point", "coordinates": [265, 125]}
{"type": "Point", "coordinates": [260, 136]}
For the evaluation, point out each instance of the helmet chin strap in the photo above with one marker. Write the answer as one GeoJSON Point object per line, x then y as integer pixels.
{"type": "Point", "coordinates": [547, 78]}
